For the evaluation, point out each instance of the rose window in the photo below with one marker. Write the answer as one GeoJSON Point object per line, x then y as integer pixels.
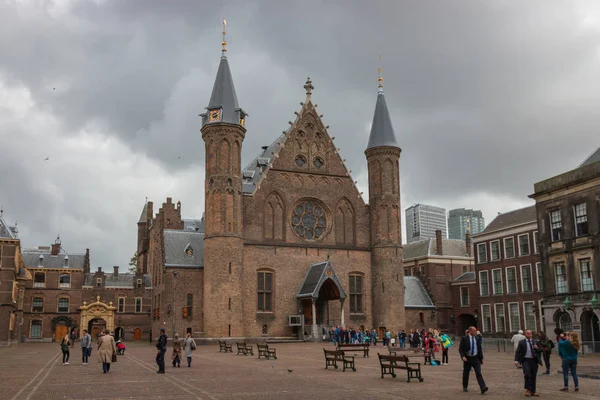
{"type": "Point", "coordinates": [309, 220]}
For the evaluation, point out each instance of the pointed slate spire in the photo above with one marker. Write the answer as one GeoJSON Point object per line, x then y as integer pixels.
{"type": "Point", "coordinates": [144, 215]}
{"type": "Point", "coordinates": [382, 132]}
{"type": "Point", "coordinates": [223, 104]}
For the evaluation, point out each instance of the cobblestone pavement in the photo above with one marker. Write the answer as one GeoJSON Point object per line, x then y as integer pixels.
{"type": "Point", "coordinates": [35, 372]}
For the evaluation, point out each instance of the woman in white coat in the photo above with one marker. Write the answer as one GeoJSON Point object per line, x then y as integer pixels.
{"type": "Point", "coordinates": [189, 346]}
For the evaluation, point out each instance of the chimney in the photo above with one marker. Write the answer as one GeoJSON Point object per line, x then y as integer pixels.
{"type": "Point", "coordinates": [116, 271]}
{"type": "Point", "coordinates": [99, 270]}
{"type": "Point", "coordinates": [438, 242]}
{"type": "Point", "coordinates": [468, 243]}
{"type": "Point", "coordinates": [56, 247]}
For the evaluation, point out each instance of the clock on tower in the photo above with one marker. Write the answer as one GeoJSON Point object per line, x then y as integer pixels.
{"type": "Point", "coordinates": [214, 115]}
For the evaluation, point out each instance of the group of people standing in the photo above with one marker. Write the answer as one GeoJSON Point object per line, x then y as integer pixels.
{"type": "Point", "coordinates": [107, 350]}
{"type": "Point", "coordinates": [187, 345]}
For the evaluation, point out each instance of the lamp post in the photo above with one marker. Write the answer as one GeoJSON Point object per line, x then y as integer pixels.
{"type": "Point", "coordinates": [173, 308]}
{"type": "Point", "coordinates": [594, 302]}
{"type": "Point", "coordinates": [567, 304]}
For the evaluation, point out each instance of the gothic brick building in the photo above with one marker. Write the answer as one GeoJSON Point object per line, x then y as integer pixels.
{"type": "Point", "coordinates": [288, 238]}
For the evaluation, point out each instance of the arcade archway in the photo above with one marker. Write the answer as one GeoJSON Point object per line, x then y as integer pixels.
{"type": "Point", "coordinates": [463, 322]}
{"type": "Point", "coordinates": [97, 316]}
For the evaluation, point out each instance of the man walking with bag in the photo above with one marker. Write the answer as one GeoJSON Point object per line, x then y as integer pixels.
{"type": "Point", "coordinates": [528, 355]}
{"type": "Point", "coordinates": [471, 352]}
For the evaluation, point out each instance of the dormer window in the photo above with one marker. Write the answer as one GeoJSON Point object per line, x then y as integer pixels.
{"type": "Point", "coordinates": [139, 283]}
{"type": "Point", "coordinates": [66, 262]}
{"type": "Point", "coordinates": [41, 260]}
{"type": "Point", "coordinates": [98, 282]}
{"type": "Point", "coordinates": [189, 250]}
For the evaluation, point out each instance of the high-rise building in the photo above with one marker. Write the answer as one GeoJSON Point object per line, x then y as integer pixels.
{"type": "Point", "coordinates": [422, 221]}
{"type": "Point", "coordinates": [461, 221]}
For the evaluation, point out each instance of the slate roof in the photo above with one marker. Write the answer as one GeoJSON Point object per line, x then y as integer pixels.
{"type": "Point", "coordinates": [223, 95]}
{"type": "Point", "coordinates": [194, 225]}
{"type": "Point", "coordinates": [511, 218]}
{"type": "Point", "coordinates": [467, 276]}
{"type": "Point", "coordinates": [428, 247]}
{"type": "Point", "coordinates": [382, 132]}
{"type": "Point", "coordinates": [120, 281]}
{"type": "Point", "coordinates": [315, 277]}
{"type": "Point", "coordinates": [594, 157]}
{"type": "Point", "coordinates": [176, 244]}
{"type": "Point", "coordinates": [31, 259]}
{"type": "Point", "coordinates": [144, 214]}
{"type": "Point", "coordinates": [8, 232]}
{"type": "Point", "coordinates": [251, 175]}
{"type": "Point", "coordinates": [415, 295]}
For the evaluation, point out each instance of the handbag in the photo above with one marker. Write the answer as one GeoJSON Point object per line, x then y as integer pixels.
{"type": "Point", "coordinates": [114, 357]}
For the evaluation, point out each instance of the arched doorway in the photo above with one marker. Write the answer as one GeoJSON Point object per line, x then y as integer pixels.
{"type": "Point", "coordinates": [96, 326]}
{"type": "Point", "coordinates": [119, 334]}
{"type": "Point", "coordinates": [590, 330]}
{"type": "Point", "coordinates": [564, 321]}
{"type": "Point", "coordinates": [463, 322]}
{"type": "Point", "coordinates": [61, 327]}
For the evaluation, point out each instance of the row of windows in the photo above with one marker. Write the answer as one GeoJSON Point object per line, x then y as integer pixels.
{"type": "Point", "coordinates": [39, 280]}
{"type": "Point", "coordinates": [499, 285]}
{"type": "Point", "coordinates": [510, 251]}
{"type": "Point", "coordinates": [580, 221]}
{"type": "Point", "coordinates": [37, 305]}
{"type": "Point", "coordinates": [265, 292]}
{"type": "Point", "coordinates": [586, 277]}
{"type": "Point", "coordinates": [500, 321]}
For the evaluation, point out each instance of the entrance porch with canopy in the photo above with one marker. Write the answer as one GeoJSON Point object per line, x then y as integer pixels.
{"type": "Point", "coordinates": [320, 286]}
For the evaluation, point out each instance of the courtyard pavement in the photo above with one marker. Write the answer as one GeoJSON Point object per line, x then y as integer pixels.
{"type": "Point", "coordinates": [35, 371]}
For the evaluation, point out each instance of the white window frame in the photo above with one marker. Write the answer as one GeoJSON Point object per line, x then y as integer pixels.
{"type": "Point", "coordinates": [461, 296]}
{"type": "Point", "coordinates": [43, 304]}
{"type": "Point", "coordinates": [496, 317]}
{"type": "Point", "coordinates": [513, 242]}
{"type": "Point", "coordinates": [530, 277]}
{"type": "Point", "coordinates": [575, 220]}
{"type": "Point", "coordinates": [501, 282]}
{"type": "Point", "coordinates": [39, 284]}
{"type": "Point", "coordinates": [560, 229]}
{"type": "Point", "coordinates": [589, 262]}
{"type": "Point", "coordinates": [525, 314]}
{"type": "Point", "coordinates": [41, 329]}
{"type": "Point", "coordinates": [556, 265]}
{"type": "Point", "coordinates": [512, 329]}
{"type": "Point", "coordinates": [539, 276]}
{"type": "Point", "coordinates": [491, 328]}
{"type": "Point", "coordinates": [536, 236]}
{"type": "Point", "coordinates": [516, 280]}
{"type": "Point", "coordinates": [58, 305]}
{"type": "Point", "coordinates": [136, 305]}
{"type": "Point", "coordinates": [528, 244]}
{"type": "Point", "coordinates": [119, 305]}
{"type": "Point", "coordinates": [479, 260]}
{"type": "Point", "coordinates": [138, 283]}
{"type": "Point", "coordinates": [98, 280]}
{"type": "Point", "coordinates": [492, 251]}
{"type": "Point", "coordinates": [488, 283]}
{"type": "Point", "coordinates": [64, 285]}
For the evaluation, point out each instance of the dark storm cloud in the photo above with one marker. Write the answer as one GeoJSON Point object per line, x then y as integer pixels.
{"type": "Point", "coordinates": [486, 97]}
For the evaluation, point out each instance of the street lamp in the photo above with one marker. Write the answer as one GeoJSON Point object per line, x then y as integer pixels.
{"type": "Point", "coordinates": [567, 304]}
{"type": "Point", "coordinates": [174, 308]}
{"type": "Point", "coordinates": [594, 302]}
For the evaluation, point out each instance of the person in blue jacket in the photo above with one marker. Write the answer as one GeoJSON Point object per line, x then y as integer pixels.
{"type": "Point", "coordinates": [568, 347]}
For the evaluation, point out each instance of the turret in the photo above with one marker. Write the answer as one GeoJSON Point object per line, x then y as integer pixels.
{"type": "Point", "coordinates": [223, 131]}
{"type": "Point", "coordinates": [383, 155]}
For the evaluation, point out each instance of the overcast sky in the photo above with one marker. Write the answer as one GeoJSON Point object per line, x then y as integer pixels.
{"type": "Point", "coordinates": [486, 99]}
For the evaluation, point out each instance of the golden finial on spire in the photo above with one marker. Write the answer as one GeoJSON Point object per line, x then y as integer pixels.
{"type": "Point", "coordinates": [224, 42]}
{"type": "Point", "coordinates": [380, 79]}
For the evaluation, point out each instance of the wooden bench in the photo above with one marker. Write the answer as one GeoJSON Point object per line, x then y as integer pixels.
{"type": "Point", "coordinates": [225, 347]}
{"type": "Point", "coordinates": [355, 347]}
{"type": "Point", "coordinates": [333, 356]}
{"type": "Point", "coordinates": [395, 350]}
{"type": "Point", "coordinates": [264, 350]}
{"type": "Point", "coordinates": [391, 363]}
{"type": "Point", "coordinates": [243, 348]}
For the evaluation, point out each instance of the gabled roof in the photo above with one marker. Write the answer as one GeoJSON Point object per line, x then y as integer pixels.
{"type": "Point", "coordinates": [176, 245]}
{"type": "Point", "coordinates": [317, 274]}
{"type": "Point", "coordinates": [594, 157]}
{"type": "Point", "coordinates": [382, 132]}
{"type": "Point", "coordinates": [467, 276]}
{"type": "Point", "coordinates": [119, 281]}
{"type": "Point", "coordinates": [428, 247]}
{"type": "Point", "coordinates": [7, 232]}
{"type": "Point", "coordinates": [194, 225]}
{"type": "Point", "coordinates": [415, 295]}
{"type": "Point", "coordinates": [43, 258]}
{"type": "Point", "coordinates": [510, 219]}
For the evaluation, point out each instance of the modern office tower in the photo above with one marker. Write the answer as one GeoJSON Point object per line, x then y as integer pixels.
{"type": "Point", "coordinates": [422, 221]}
{"type": "Point", "coordinates": [461, 221]}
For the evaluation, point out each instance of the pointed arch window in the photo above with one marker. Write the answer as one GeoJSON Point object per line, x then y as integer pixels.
{"type": "Point", "coordinates": [273, 218]}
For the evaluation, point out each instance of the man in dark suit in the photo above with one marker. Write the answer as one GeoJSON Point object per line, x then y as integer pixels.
{"type": "Point", "coordinates": [471, 352]}
{"type": "Point", "coordinates": [528, 354]}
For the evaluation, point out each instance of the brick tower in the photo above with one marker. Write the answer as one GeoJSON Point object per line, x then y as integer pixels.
{"type": "Point", "coordinates": [383, 155]}
{"type": "Point", "coordinates": [223, 133]}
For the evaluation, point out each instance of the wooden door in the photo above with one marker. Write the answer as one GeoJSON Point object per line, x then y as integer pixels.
{"type": "Point", "coordinates": [60, 332]}
{"type": "Point", "coordinates": [381, 333]}
{"type": "Point", "coordinates": [137, 334]}
{"type": "Point", "coordinates": [96, 329]}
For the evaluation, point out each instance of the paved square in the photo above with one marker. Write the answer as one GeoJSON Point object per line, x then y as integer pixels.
{"type": "Point", "coordinates": [35, 371]}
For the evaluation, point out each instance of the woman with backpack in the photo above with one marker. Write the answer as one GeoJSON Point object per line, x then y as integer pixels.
{"type": "Point", "coordinates": [547, 346]}
{"type": "Point", "coordinates": [189, 345]}
{"type": "Point", "coordinates": [65, 344]}
{"type": "Point", "coordinates": [568, 349]}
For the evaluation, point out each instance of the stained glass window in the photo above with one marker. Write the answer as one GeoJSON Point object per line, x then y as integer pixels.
{"type": "Point", "coordinates": [309, 220]}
